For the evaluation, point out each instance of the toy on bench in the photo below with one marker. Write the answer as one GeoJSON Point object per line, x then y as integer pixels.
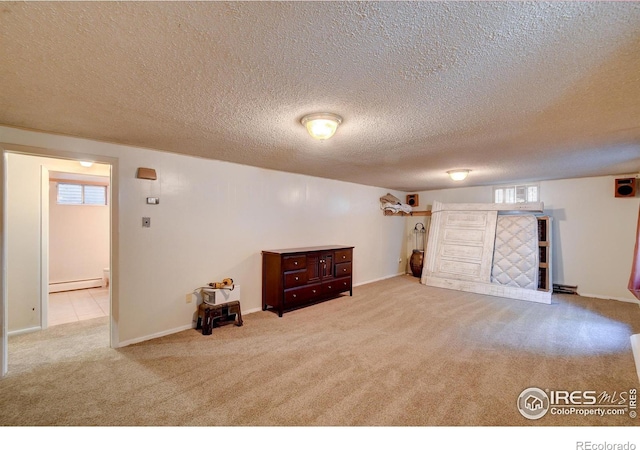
{"type": "Point", "coordinates": [211, 314]}
{"type": "Point", "coordinates": [227, 283]}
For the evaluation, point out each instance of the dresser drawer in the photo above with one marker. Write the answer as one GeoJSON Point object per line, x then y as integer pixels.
{"type": "Point", "coordinates": [343, 255]}
{"type": "Point", "coordinates": [343, 270]}
{"type": "Point", "coordinates": [294, 262]}
{"type": "Point", "coordinates": [295, 278]}
{"type": "Point", "coordinates": [296, 296]}
{"type": "Point", "coordinates": [337, 286]}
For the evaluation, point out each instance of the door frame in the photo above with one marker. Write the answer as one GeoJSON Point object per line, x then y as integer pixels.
{"type": "Point", "coordinates": [114, 313]}
{"type": "Point", "coordinates": [44, 247]}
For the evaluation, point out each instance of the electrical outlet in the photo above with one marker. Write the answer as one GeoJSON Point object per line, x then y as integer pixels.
{"type": "Point", "coordinates": [189, 298]}
{"type": "Point", "coordinates": [146, 222]}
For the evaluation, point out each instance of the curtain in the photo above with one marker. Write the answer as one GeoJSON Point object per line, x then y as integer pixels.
{"type": "Point", "coordinates": [634, 279]}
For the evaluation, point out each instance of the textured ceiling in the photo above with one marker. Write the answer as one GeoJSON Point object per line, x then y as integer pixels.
{"type": "Point", "coordinates": [514, 91]}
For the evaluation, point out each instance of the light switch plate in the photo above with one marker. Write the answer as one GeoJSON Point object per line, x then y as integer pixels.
{"type": "Point", "coordinates": [153, 200]}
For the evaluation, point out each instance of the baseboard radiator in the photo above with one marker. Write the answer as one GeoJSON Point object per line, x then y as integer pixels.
{"type": "Point", "coordinates": [74, 285]}
{"type": "Point", "coordinates": [565, 289]}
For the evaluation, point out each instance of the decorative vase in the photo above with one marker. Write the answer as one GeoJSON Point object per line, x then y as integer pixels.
{"type": "Point", "coordinates": [416, 261]}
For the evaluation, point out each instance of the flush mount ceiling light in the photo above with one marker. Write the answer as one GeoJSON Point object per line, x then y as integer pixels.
{"type": "Point", "coordinates": [458, 174]}
{"type": "Point", "coordinates": [86, 163]}
{"type": "Point", "coordinates": [321, 125]}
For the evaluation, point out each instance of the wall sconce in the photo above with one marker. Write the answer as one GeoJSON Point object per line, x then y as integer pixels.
{"type": "Point", "coordinates": [321, 125]}
{"type": "Point", "coordinates": [146, 174]}
{"type": "Point", "coordinates": [458, 174]}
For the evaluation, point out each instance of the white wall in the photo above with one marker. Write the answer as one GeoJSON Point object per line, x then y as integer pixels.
{"type": "Point", "coordinates": [594, 235]}
{"type": "Point", "coordinates": [78, 240]}
{"type": "Point", "coordinates": [23, 244]}
{"type": "Point", "coordinates": [593, 232]}
{"type": "Point", "coordinates": [213, 220]}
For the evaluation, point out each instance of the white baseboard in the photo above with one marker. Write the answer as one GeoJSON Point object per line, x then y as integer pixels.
{"type": "Point", "coordinates": [24, 331]}
{"type": "Point", "coordinates": [379, 279]}
{"type": "Point", "coordinates": [635, 347]}
{"type": "Point", "coordinates": [74, 285]}
{"type": "Point", "coordinates": [153, 336]}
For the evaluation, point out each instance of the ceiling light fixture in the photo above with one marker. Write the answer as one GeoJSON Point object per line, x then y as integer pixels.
{"type": "Point", "coordinates": [458, 174]}
{"type": "Point", "coordinates": [86, 163]}
{"type": "Point", "coordinates": [321, 125]}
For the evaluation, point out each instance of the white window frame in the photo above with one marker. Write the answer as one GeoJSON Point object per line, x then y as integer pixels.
{"type": "Point", "coordinates": [517, 193]}
{"type": "Point", "coordinates": [83, 187]}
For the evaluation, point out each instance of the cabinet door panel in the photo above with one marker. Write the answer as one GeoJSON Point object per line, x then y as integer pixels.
{"type": "Point", "coordinates": [314, 267]}
{"type": "Point", "coordinates": [326, 266]}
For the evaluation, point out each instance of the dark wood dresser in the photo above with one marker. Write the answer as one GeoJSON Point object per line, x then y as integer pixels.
{"type": "Point", "coordinates": [296, 277]}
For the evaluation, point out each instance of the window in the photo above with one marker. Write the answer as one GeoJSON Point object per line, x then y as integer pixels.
{"type": "Point", "coordinates": [81, 194]}
{"type": "Point", "coordinates": [522, 193]}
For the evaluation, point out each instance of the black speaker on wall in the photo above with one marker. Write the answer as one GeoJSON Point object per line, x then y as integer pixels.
{"type": "Point", "coordinates": [625, 187]}
{"type": "Point", "coordinates": [412, 200]}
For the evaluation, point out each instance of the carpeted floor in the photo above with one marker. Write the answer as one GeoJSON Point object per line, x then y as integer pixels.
{"type": "Point", "coordinates": [397, 353]}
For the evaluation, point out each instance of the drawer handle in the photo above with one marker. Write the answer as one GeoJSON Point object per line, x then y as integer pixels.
{"type": "Point", "coordinates": [295, 263]}
{"type": "Point", "coordinates": [344, 270]}
{"type": "Point", "coordinates": [329, 287]}
{"type": "Point", "coordinates": [344, 257]}
{"type": "Point", "coordinates": [294, 295]}
{"type": "Point", "coordinates": [314, 291]}
{"type": "Point", "coordinates": [296, 278]}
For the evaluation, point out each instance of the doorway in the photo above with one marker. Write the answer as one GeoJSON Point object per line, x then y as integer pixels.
{"type": "Point", "coordinates": [25, 274]}
{"type": "Point", "coordinates": [78, 237]}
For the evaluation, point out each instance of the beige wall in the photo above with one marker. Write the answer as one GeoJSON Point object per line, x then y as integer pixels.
{"type": "Point", "coordinates": [213, 220]}
{"type": "Point", "coordinates": [78, 240]}
{"type": "Point", "coordinates": [593, 232]}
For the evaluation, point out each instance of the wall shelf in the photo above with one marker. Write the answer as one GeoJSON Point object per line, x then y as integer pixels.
{"type": "Point", "coordinates": [412, 213]}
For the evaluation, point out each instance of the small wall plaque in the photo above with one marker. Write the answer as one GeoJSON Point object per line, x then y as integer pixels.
{"type": "Point", "coordinates": [146, 173]}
